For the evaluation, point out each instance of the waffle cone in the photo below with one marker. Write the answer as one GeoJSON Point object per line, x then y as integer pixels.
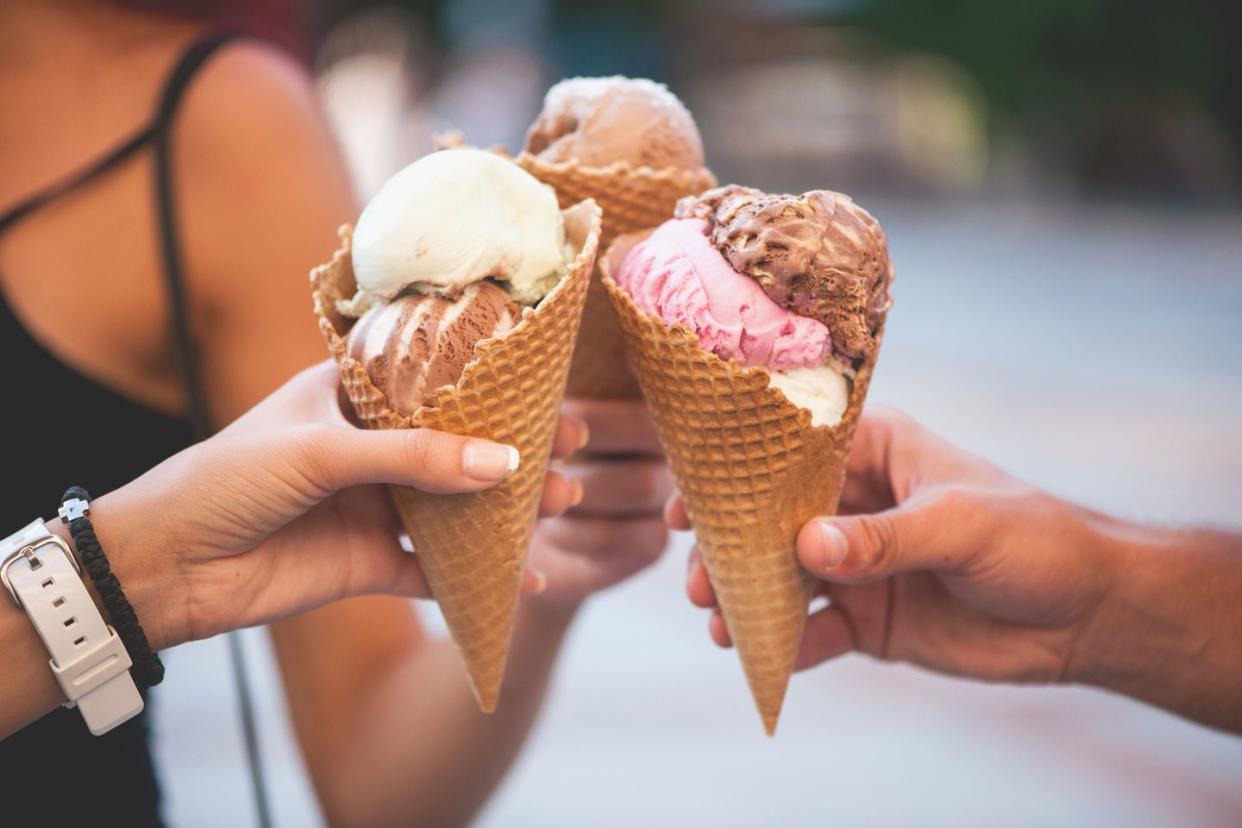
{"type": "Point", "coordinates": [633, 199]}
{"type": "Point", "coordinates": [751, 470]}
{"type": "Point", "coordinates": [472, 546]}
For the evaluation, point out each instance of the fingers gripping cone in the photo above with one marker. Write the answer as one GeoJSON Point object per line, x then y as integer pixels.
{"type": "Point", "coordinates": [632, 198]}
{"type": "Point", "coordinates": [472, 546]}
{"type": "Point", "coordinates": [751, 469]}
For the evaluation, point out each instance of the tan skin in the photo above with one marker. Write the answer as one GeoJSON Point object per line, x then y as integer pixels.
{"type": "Point", "coordinates": [271, 517]}
{"type": "Point", "coordinates": [942, 560]}
{"type": "Point", "coordinates": [262, 190]}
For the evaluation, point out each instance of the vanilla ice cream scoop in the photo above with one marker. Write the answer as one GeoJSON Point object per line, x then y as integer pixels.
{"type": "Point", "coordinates": [822, 390]}
{"type": "Point", "coordinates": [455, 217]}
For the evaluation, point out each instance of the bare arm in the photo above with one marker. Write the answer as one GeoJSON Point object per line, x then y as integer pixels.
{"type": "Point", "coordinates": [252, 526]}
{"type": "Point", "coordinates": [1171, 632]}
{"type": "Point", "coordinates": [942, 560]}
{"type": "Point", "coordinates": [411, 747]}
{"type": "Point", "coordinates": [404, 743]}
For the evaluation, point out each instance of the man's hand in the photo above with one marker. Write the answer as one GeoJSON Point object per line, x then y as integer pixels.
{"type": "Point", "coordinates": [943, 560]}
{"type": "Point", "coordinates": [940, 559]}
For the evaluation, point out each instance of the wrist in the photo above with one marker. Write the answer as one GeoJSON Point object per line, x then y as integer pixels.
{"type": "Point", "coordinates": [1138, 627]}
{"type": "Point", "coordinates": [135, 557]}
{"type": "Point", "coordinates": [549, 614]}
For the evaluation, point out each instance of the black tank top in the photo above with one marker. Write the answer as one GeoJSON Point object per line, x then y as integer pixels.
{"type": "Point", "coordinates": [77, 778]}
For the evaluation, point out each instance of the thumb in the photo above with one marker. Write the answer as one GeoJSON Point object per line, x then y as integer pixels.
{"type": "Point", "coordinates": [943, 533]}
{"type": "Point", "coordinates": [434, 461]}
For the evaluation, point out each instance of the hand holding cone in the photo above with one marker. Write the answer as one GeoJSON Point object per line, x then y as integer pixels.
{"type": "Point", "coordinates": [472, 547]}
{"type": "Point", "coordinates": [751, 469]}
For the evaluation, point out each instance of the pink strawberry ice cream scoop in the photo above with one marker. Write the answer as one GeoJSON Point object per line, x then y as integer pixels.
{"type": "Point", "coordinates": [678, 275]}
{"type": "Point", "coordinates": [818, 254]}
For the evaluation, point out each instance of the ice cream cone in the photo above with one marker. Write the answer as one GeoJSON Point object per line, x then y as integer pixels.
{"type": "Point", "coordinates": [472, 547]}
{"type": "Point", "coordinates": [751, 469]}
{"type": "Point", "coordinates": [633, 198]}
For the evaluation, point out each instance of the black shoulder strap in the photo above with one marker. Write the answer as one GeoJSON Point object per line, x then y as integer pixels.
{"type": "Point", "coordinates": [183, 73]}
{"type": "Point", "coordinates": [193, 59]}
{"type": "Point", "coordinates": [77, 178]}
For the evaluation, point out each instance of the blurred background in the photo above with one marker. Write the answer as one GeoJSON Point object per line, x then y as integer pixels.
{"type": "Point", "coordinates": [1060, 182]}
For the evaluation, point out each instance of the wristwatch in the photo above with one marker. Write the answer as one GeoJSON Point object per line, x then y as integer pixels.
{"type": "Point", "coordinates": [87, 657]}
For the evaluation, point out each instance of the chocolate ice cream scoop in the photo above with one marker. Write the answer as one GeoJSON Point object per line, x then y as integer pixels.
{"type": "Point", "coordinates": [818, 255]}
{"type": "Point", "coordinates": [418, 343]}
{"type": "Point", "coordinates": [599, 121]}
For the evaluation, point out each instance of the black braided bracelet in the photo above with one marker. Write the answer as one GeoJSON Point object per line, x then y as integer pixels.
{"type": "Point", "coordinates": [147, 669]}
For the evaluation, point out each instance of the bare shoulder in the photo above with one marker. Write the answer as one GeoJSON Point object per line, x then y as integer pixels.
{"type": "Point", "coordinates": [259, 172]}
{"type": "Point", "coordinates": [251, 91]}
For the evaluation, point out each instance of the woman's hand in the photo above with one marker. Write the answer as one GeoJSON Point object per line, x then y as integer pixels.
{"type": "Point", "coordinates": [943, 560]}
{"type": "Point", "coordinates": [273, 516]}
{"type": "Point", "coordinates": [619, 486]}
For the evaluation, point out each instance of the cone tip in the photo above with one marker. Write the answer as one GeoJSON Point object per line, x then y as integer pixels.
{"type": "Point", "coordinates": [487, 697]}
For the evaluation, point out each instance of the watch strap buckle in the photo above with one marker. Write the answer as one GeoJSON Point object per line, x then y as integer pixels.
{"type": "Point", "coordinates": [33, 538]}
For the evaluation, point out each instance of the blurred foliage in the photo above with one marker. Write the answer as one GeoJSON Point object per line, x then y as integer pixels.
{"type": "Point", "coordinates": [1026, 55]}
{"type": "Point", "coordinates": [1137, 95]}
{"type": "Point", "coordinates": [1041, 55]}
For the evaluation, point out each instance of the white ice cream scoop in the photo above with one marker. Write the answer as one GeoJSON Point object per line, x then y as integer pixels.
{"type": "Point", "coordinates": [821, 390]}
{"type": "Point", "coordinates": [454, 217]}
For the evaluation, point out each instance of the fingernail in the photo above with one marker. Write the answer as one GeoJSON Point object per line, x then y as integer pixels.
{"type": "Point", "coordinates": [540, 582]}
{"type": "Point", "coordinates": [584, 435]}
{"type": "Point", "coordinates": [489, 462]}
{"type": "Point", "coordinates": [575, 493]}
{"type": "Point", "coordinates": [835, 546]}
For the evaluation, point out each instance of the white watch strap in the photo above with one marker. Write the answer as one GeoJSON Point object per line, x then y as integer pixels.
{"type": "Point", "coordinates": [88, 659]}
